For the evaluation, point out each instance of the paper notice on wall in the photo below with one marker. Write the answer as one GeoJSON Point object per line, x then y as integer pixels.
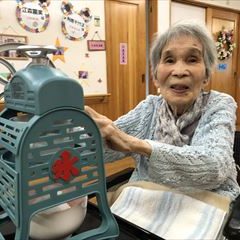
{"type": "Point", "coordinates": [123, 53]}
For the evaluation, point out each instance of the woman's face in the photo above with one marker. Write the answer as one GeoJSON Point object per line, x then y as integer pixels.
{"type": "Point", "coordinates": [181, 73]}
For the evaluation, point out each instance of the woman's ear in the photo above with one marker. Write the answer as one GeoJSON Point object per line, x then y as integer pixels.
{"type": "Point", "coordinates": [156, 82]}
{"type": "Point", "coordinates": [157, 85]}
{"type": "Point", "coordinates": [205, 82]}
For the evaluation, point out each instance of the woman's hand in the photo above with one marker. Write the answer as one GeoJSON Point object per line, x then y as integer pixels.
{"type": "Point", "coordinates": [117, 139]}
{"type": "Point", "coordinates": [104, 124]}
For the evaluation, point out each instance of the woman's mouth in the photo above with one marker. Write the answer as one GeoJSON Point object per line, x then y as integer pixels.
{"type": "Point", "coordinates": [179, 88]}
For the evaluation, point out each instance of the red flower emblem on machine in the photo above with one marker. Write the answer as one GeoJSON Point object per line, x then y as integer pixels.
{"type": "Point", "coordinates": [64, 168]}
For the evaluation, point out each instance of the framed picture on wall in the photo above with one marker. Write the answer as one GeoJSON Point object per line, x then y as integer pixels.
{"type": "Point", "coordinates": [12, 54]}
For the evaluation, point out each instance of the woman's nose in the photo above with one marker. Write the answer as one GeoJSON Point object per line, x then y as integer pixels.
{"type": "Point", "coordinates": [179, 69]}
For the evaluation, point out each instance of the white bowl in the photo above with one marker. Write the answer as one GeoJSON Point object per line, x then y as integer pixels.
{"type": "Point", "coordinates": [58, 222]}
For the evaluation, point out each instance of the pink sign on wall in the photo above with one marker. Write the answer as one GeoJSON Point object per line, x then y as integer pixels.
{"type": "Point", "coordinates": [123, 53]}
{"type": "Point", "coordinates": [96, 45]}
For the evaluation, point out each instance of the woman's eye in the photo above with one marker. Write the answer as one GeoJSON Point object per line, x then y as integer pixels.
{"type": "Point", "coordinates": [168, 60]}
{"type": "Point", "coordinates": [192, 59]}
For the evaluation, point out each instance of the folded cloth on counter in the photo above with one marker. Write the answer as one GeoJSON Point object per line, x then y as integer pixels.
{"type": "Point", "coordinates": [169, 214]}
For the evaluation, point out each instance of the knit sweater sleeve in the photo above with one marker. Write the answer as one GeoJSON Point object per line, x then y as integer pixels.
{"type": "Point", "coordinates": [208, 161]}
{"type": "Point", "coordinates": [135, 123]}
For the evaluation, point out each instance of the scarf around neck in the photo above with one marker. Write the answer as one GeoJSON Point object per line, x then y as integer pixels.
{"type": "Point", "coordinates": [179, 131]}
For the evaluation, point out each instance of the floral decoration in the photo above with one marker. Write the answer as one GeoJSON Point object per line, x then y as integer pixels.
{"type": "Point", "coordinates": [225, 44]}
{"type": "Point", "coordinates": [33, 16]}
{"type": "Point", "coordinates": [74, 23]}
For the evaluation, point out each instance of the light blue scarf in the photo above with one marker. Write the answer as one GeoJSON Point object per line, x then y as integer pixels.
{"type": "Point", "coordinates": [179, 131]}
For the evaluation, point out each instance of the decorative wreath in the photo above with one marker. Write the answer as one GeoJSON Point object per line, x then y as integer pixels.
{"type": "Point", "coordinates": [75, 23]}
{"type": "Point", "coordinates": [225, 44]}
{"type": "Point", "coordinates": [33, 16]}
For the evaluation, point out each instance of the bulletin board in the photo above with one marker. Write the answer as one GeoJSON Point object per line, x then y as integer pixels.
{"type": "Point", "coordinates": [74, 57]}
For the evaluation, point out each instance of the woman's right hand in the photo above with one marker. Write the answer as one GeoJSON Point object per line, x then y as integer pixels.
{"type": "Point", "coordinates": [104, 124]}
{"type": "Point", "coordinates": [117, 139]}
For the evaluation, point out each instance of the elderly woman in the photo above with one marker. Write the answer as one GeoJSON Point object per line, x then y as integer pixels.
{"type": "Point", "coordinates": [182, 138]}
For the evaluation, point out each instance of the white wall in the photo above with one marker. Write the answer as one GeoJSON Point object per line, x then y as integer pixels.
{"type": "Point", "coordinates": [75, 59]}
{"type": "Point", "coordinates": [234, 4]}
{"type": "Point", "coordinates": [165, 16]}
{"type": "Point", "coordinates": [192, 13]}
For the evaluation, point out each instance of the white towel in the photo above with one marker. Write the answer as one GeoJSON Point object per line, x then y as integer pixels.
{"type": "Point", "coordinates": [169, 215]}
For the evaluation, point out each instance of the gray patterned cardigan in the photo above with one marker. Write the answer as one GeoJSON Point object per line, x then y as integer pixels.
{"type": "Point", "coordinates": [206, 163]}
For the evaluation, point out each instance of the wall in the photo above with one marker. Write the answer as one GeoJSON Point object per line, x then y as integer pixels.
{"type": "Point", "coordinates": [234, 4]}
{"type": "Point", "coordinates": [164, 10]}
{"type": "Point", "coordinates": [192, 13]}
{"type": "Point", "coordinates": [163, 15]}
{"type": "Point", "coordinates": [76, 55]}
